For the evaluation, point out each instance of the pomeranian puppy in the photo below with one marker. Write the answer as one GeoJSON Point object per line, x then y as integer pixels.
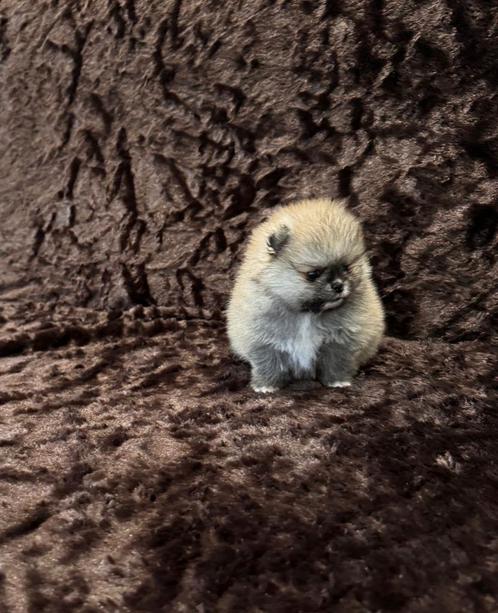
{"type": "Point", "coordinates": [304, 305]}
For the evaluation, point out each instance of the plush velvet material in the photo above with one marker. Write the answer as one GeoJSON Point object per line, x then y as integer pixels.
{"type": "Point", "coordinates": [140, 141]}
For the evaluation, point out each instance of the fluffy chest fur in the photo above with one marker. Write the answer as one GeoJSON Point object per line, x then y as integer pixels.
{"type": "Point", "coordinates": [301, 341]}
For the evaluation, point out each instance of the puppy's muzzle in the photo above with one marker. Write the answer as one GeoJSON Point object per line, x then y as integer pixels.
{"type": "Point", "coordinates": [337, 286]}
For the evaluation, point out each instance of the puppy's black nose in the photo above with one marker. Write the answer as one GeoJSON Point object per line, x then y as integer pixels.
{"type": "Point", "coordinates": [337, 286]}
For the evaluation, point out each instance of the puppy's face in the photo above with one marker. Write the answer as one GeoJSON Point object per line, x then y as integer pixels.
{"type": "Point", "coordinates": [311, 274]}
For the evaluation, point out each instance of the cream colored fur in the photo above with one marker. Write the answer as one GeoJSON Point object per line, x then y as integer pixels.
{"type": "Point", "coordinates": [263, 308]}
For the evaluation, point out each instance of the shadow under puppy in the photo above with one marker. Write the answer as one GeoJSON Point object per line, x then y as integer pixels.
{"type": "Point", "coordinates": [304, 305]}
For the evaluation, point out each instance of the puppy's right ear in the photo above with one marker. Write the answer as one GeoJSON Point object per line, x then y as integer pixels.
{"type": "Point", "coordinates": [277, 241]}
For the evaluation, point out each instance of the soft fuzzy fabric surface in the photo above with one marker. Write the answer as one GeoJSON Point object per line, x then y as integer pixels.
{"type": "Point", "coordinates": [140, 140]}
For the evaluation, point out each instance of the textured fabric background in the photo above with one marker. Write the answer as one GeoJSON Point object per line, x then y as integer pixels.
{"type": "Point", "coordinates": [140, 140]}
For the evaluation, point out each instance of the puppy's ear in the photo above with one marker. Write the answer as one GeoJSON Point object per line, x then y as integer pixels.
{"type": "Point", "coordinates": [277, 241]}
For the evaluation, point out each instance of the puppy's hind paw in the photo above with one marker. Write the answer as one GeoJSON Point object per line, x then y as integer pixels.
{"type": "Point", "coordinates": [264, 389]}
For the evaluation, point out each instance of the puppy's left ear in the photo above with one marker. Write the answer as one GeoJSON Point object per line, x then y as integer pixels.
{"type": "Point", "coordinates": [277, 241]}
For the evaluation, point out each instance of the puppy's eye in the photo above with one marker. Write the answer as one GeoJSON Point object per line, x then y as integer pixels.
{"type": "Point", "coordinates": [344, 269]}
{"type": "Point", "coordinates": [312, 275]}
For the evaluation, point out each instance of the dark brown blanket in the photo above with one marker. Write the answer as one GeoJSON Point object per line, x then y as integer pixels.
{"type": "Point", "coordinates": [140, 140]}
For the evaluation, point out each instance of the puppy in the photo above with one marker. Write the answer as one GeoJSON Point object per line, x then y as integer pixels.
{"type": "Point", "coordinates": [304, 305]}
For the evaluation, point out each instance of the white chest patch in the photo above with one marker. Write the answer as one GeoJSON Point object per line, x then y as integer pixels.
{"type": "Point", "coordinates": [302, 342]}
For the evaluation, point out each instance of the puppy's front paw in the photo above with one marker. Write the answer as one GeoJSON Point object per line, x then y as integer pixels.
{"type": "Point", "coordinates": [338, 384]}
{"type": "Point", "coordinates": [264, 389]}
